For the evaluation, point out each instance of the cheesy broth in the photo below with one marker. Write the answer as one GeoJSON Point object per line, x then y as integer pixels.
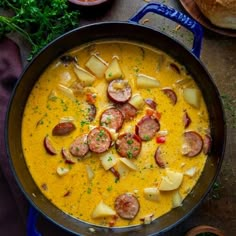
{"type": "Point", "coordinates": [78, 188]}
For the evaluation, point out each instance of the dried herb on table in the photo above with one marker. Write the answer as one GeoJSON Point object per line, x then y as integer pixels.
{"type": "Point", "coordinates": [38, 21]}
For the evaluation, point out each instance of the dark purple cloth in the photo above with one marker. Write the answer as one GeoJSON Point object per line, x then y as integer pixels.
{"type": "Point", "coordinates": [13, 204]}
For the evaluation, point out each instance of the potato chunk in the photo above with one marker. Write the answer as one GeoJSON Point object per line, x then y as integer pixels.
{"type": "Point", "coordinates": [152, 194]}
{"type": "Point", "coordinates": [145, 81]}
{"type": "Point", "coordinates": [102, 210]}
{"type": "Point", "coordinates": [113, 71]}
{"type": "Point", "coordinates": [128, 163]}
{"type": "Point", "coordinates": [96, 65]}
{"type": "Point", "coordinates": [176, 199]}
{"type": "Point", "coordinates": [192, 96]}
{"type": "Point", "coordinates": [108, 160]}
{"type": "Point", "coordinates": [137, 101]}
{"type": "Point", "coordinates": [171, 181]}
{"type": "Point", "coordinates": [84, 76]}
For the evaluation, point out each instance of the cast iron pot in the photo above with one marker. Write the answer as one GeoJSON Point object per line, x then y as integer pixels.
{"type": "Point", "coordinates": [131, 31]}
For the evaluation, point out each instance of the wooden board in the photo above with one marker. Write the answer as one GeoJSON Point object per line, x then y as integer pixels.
{"type": "Point", "coordinates": [191, 7]}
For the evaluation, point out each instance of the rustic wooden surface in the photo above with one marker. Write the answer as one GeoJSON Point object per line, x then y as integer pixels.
{"type": "Point", "coordinates": [219, 56]}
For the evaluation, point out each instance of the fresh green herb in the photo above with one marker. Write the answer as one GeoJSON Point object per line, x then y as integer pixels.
{"type": "Point", "coordinates": [146, 137]}
{"type": "Point", "coordinates": [89, 190]}
{"type": "Point", "coordinates": [109, 188]}
{"type": "Point", "coordinates": [109, 158]}
{"type": "Point", "coordinates": [130, 141]}
{"type": "Point", "coordinates": [38, 21]}
{"type": "Point", "coordinates": [83, 123]}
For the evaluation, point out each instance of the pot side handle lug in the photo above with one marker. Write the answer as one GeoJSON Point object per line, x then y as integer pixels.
{"type": "Point", "coordinates": [31, 222]}
{"type": "Point", "coordinates": [176, 16]}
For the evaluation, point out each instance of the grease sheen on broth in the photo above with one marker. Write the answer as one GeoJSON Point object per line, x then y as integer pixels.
{"type": "Point", "coordinates": [73, 192]}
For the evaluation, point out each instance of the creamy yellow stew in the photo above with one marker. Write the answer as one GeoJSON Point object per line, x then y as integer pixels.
{"type": "Point", "coordinates": [115, 133]}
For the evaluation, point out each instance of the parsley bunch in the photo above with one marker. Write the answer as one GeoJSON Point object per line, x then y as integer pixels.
{"type": "Point", "coordinates": [39, 21]}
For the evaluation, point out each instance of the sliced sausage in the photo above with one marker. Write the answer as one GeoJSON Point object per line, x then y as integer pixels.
{"type": "Point", "coordinates": [128, 111]}
{"type": "Point", "coordinates": [119, 91]}
{"type": "Point", "coordinates": [128, 145]}
{"type": "Point", "coordinates": [147, 128]}
{"type": "Point", "coordinates": [175, 68]}
{"type": "Point", "coordinates": [159, 161]}
{"type": "Point", "coordinates": [67, 157]}
{"type": "Point", "coordinates": [207, 142]}
{"type": "Point", "coordinates": [170, 94]}
{"type": "Point", "coordinates": [92, 111]}
{"type": "Point", "coordinates": [186, 120]}
{"type": "Point", "coordinates": [151, 103]}
{"type": "Point", "coordinates": [79, 148]}
{"type": "Point", "coordinates": [127, 206]}
{"type": "Point", "coordinates": [48, 146]}
{"type": "Point", "coordinates": [99, 139]}
{"type": "Point", "coordinates": [193, 144]}
{"type": "Point", "coordinates": [112, 118]}
{"type": "Point", "coordinates": [115, 173]}
{"type": "Point", "coordinates": [63, 128]}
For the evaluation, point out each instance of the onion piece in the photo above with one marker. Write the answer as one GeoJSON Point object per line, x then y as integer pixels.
{"type": "Point", "coordinates": [66, 91]}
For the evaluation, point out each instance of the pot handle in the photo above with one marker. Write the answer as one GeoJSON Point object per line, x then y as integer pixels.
{"type": "Point", "coordinates": [31, 222]}
{"type": "Point", "coordinates": [176, 16]}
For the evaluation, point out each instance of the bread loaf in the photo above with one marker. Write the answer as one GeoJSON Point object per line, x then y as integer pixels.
{"type": "Point", "coordinates": [221, 13]}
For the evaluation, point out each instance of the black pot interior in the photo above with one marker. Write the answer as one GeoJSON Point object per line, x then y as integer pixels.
{"type": "Point", "coordinates": [134, 33]}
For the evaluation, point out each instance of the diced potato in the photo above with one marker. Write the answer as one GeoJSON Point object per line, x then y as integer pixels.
{"type": "Point", "coordinates": [102, 210]}
{"type": "Point", "coordinates": [108, 161]}
{"type": "Point", "coordinates": [66, 79]}
{"type": "Point", "coordinates": [152, 194]}
{"type": "Point", "coordinates": [145, 81]}
{"type": "Point", "coordinates": [90, 172]}
{"type": "Point", "coordinates": [62, 170]}
{"type": "Point", "coordinates": [122, 168]}
{"type": "Point", "coordinates": [191, 172]}
{"type": "Point", "coordinates": [84, 76]}
{"type": "Point", "coordinates": [113, 71]}
{"type": "Point", "coordinates": [128, 163]}
{"type": "Point", "coordinates": [137, 101]}
{"type": "Point", "coordinates": [66, 91]}
{"type": "Point", "coordinates": [171, 181]}
{"type": "Point", "coordinates": [176, 199]}
{"type": "Point", "coordinates": [192, 96]}
{"type": "Point", "coordinates": [147, 219]}
{"type": "Point", "coordinates": [113, 133]}
{"type": "Point", "coordinates": [96, 65]}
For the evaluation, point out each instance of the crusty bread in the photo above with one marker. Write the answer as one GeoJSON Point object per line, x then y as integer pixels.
{"type": "Point", "coordinates": [221, 13]}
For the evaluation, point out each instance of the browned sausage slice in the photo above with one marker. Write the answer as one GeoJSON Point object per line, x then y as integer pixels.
{"type": "Point", "coordinates": [127, 206]}
{"type": "Point", "coordinates": [79, 147]}
{"type": "Point", "coordinates": [92, 111]}
{"type": "Point", "coordinates": [207, 143]}
{"type": "Point", "coordinates": [99, 139]}
{"type": "Point", "coordinates": [112, 118]}
{"type": "Point", "coordinates": [48, 146]}
{"type": "Point", "coordinates": [128, 145]}
{"type": "Point", "coordinates": [63, 128]}
{"type": "Point", "coordinates": [128, 111]}
{"type": "Point", "coordinates": [159, 161]}
{"type": "Point", "coordinates": [151, 103]}
{"type": "Point", "coordinates": [193, 144]}
{"type": "Point", "coordinates": [170, 94]}
{"type": "Point", "coordinates": [147, 128]}
{"type": "Point", "coordinates": [66, 155]}
{"type": "Point", "coordinates": [119, 91]}
{"type": "Point", "coordinates": [186, 120]}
